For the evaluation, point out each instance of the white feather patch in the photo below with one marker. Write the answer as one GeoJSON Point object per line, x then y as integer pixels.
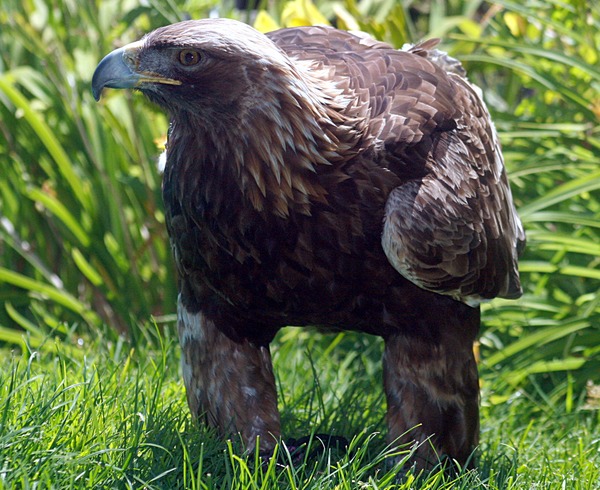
{"type": "Point", "coordinates": [189, 325]}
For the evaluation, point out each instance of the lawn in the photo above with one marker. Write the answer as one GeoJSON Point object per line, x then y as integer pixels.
{"type": "Point", "coordinates": [98, 414]}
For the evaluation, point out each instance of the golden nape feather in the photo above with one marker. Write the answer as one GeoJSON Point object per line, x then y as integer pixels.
{"type": "Point", "coordinates": [319, 177]}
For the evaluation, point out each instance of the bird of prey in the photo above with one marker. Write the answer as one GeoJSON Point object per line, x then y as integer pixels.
{"type": "Point", "coordinates": [316, 177]}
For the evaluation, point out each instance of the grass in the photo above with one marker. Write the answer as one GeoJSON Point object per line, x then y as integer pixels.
{"type": "Point", "coordinates": [102, 415]}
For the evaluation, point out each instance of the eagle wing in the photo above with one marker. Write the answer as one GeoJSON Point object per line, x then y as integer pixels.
{"type": "Point", "coordinates": [451, 226]}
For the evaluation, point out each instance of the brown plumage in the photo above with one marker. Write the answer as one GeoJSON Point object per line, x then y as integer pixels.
{"type": "Point", "coordinates": [318, 177]}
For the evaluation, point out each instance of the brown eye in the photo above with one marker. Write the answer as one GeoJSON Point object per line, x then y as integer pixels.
{"type": "Point", "coordinates": [189, 57]}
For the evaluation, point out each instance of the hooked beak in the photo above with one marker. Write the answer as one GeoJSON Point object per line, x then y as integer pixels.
{"type": "Point", "coordinates": [119, 69]}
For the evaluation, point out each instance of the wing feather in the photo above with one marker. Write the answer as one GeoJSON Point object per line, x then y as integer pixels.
{"type": "Point", "coordinates": [451, 226]}
{"type": "Point", "coordinates": [455, 230]}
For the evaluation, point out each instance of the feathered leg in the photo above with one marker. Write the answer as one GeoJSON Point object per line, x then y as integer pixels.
{"type": "Point", "coordinates": [433, 389]}
{"type": "Point", "coordinates": [229, 383]}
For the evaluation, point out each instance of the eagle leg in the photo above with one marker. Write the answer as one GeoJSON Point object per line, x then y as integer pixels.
{"type": "Point", "coordinates": [432, 392]}
{"type": "Point", "coordinates": [230, 384]}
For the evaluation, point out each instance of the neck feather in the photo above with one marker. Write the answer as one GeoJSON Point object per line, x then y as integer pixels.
{"type": "Point", "coordinates": [294, 127]}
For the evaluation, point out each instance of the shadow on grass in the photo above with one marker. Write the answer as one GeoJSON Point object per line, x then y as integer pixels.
{"type": "Point", "coordinates": [330, 385]}
{"type": "Point", "coordinates": [195, 457]}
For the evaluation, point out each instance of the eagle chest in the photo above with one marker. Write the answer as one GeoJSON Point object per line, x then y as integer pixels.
{"type": "Point", "coordinates": [298, 268]}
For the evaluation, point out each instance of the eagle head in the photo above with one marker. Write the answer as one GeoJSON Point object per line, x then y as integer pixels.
{"type": "Point", "coordinates": [242, 103]}
{"type": "Point", "coordinates": [204, 67]}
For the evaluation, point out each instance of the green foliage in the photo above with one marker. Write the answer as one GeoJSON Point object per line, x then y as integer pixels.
{"type": "Point", "coordinates": [108, 416]}
{"type": "Point", "coordinates": [539, 73]}
{"type": "Point", "coordinates": [82, 236]}
{"type": "Point", "coordinates": [82, 230]}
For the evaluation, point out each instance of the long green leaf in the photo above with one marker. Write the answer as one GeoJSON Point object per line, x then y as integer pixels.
{"type": "Point", "coordinates": [514, 65]}
{"type": "Point", "coordinates": [12, 336]}
{"type": "Point", "coordinates": [537, 338]}
{"type": "Point", "coordinates": [549, 54]}
{"type": "Point", "coordinates": [23, 322]}
{"type": "Point", "coordinates": [53, 205]}
{"type": "Point", "coordinates": [86, 268]}
{"type": "Point", "coordinates": [563, 217]}
{"type": "Point", "coordinates": [568, 364]}
{"type": "Point", "coordinates": [568, 242]}
{"type": "Point", "coordinates": [568, 190]}
{"type": "Point", "coordinates": [49, 140]}
{"type": "Point", "coordinates": [549, 268]}
{"type": "Point", "coordinates": [61, 297]}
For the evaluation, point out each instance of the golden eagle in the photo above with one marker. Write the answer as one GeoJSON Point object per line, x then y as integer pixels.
{"type": "Point", "coordinates": [320, 177]}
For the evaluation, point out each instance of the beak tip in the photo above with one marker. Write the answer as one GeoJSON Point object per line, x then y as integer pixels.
{"type": "Point", "coordinates": [97, 93]}
{"type": "Point", "coordinates": [113, 71]}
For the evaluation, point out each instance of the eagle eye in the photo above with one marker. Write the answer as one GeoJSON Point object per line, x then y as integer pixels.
{"type": "Point", "coordinates": [189, 57]}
